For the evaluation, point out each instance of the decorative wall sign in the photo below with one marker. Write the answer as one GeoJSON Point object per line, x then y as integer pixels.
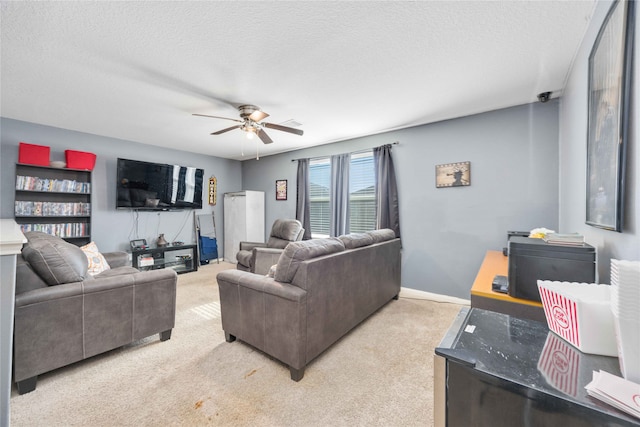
{"type": "Point", "coordinates": [213, 190]}
{"type": "Point", "coordinates": [453, 174]}
{"type": "Point", "coordinates": [281, 189]}
{"type": "Point", "coordinates": [608, 125]}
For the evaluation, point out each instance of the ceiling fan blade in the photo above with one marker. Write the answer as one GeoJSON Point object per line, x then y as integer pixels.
{"type": "Point", "coordinates": [258, 115]}
{"type": "Point", "coordinates": [283, 128]}
{"type": "Point", "coordinates": [264, 137]}
{"type": "Point", "coordinates": [217, 117]}
{"type": "Point", "coordinates": [226, 130]}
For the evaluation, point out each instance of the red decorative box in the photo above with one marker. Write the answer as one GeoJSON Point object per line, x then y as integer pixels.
{"type": "Point", "coordinates": [32, 154]}
{"type": "Point", "coordinates": [80, 159]}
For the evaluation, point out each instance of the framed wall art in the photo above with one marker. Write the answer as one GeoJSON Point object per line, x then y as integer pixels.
{"type": "Point", "coordinates": [453, 174]}
{"type": "Point", "coordinates": [281, 189]}
{"type": "Point", "coordinates": [213, 190]}
{"type": "Point", "coordinates": [608, 117]}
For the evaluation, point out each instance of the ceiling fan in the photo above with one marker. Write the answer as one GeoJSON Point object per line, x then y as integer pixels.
{"type": "Point", "coordinates": [251, 123]}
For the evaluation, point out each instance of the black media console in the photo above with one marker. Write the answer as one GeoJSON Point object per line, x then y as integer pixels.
{"type": "Point", "coordinates": [182, 258]}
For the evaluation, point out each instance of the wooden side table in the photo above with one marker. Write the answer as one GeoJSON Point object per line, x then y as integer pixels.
{"type": "Point", "coordinates": [482, 296]}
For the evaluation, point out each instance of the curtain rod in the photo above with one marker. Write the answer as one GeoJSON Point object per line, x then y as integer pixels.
{"type": "Point", "coordinates": [353, 152]}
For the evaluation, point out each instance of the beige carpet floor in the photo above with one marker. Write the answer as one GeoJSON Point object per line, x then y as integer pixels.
{"type": "Point", "coordinates": [380, 374]}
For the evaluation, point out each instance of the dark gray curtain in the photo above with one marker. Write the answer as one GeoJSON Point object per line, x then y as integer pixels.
{"type": "Point", "coordinates": [339, 194]}
{"type": "Point", "coordinates": [302, 198]}
{"type": "Point", "coordinates": [387, 212]}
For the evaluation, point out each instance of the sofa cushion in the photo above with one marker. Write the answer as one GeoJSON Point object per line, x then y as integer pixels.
{"type": "Point", "coordinates": [56, 261]}
{"type": "Point", "coordinates": [97, 262]}
{"type": "Point", "coordinates": [117, 271]}
{"type": "Point", "coordinates": [382, 235]}
{"type": "Point", "coordinates": [356, 240]}
{"type": "Point", "coordinates": [296, 252]}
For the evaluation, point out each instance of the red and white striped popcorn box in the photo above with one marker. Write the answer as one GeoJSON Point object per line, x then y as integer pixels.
{"type": "Point", "coordinates": [580, 313]}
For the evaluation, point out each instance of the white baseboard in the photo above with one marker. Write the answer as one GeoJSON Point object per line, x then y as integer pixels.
{"type": "Point", "coordinates": [416, 294]}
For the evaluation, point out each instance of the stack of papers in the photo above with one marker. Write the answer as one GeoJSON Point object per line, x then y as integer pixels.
{"type": "Point", "coordinates": [615, 391]}
{"type": "Point", "coordinates": [574, 239]}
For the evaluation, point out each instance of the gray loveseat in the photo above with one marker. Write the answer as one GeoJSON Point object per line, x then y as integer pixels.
{"type": "Point", "coordinates": [321, 289]}
{"type": "Point", "coordinates": [63, 314]}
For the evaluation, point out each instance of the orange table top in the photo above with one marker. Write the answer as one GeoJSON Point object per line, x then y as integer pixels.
{"type": "Point", "coordinates": [495, 263]}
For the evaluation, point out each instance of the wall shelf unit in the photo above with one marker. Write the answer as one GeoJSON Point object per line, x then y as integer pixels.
{"type": "Point", "coordinates": [54, 200]}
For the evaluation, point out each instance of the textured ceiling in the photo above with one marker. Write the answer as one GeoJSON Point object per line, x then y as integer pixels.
{"type": "Point", "coordinates": [138, 70]}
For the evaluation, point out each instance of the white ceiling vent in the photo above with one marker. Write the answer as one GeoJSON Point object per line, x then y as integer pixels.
{"type": "Point", "coordinates": [291, 123]}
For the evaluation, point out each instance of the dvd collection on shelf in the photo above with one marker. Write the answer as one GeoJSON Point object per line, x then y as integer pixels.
{"type": "Point", "coordinates": [67, 230]}
{"type": "Point", "coordinates": [33, 183]}
{"type": "Point", "coordinates": [30, 208]}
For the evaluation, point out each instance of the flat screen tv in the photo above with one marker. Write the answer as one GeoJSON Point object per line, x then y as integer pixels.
{"type": "Point", "coordinates": [157, 186]}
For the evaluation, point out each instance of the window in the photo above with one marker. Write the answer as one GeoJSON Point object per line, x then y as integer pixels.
{"type": "Point", "coordinates": [362, 200]}
{"type": "Point", "coordinates": [319, 190]}
{"type": "Point", "coordinates": [362, 193]}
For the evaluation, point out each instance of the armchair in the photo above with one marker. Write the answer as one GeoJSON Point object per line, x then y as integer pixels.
{"type": "Point", "coordinates": [258, 257]}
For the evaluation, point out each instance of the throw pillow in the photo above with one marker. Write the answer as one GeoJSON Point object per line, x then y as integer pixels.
{"type": "Point", "coordinates": [97, 261]}
{"type": "Point", "coordinates": [56, 261]}
{"type": "Point", "coordinates": [272, 271]}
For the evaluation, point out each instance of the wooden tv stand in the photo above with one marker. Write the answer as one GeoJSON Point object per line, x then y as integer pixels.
{"type": "Point", "coordinates": [482, 296]}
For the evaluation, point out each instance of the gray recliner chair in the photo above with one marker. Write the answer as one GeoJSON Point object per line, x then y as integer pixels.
{"type": "Point", "coordinates": [258, 257]}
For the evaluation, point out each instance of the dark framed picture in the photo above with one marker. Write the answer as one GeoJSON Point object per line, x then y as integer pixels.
{"type": "Point", "coordinates": [281, 189]}
{"type": "Point", "coordinates": [608, 119]}
{"type": "Point", "coordinates": [453, 174]}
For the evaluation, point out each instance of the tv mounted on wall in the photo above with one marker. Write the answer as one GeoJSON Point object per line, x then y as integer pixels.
{"type": "Point", "coordinates": [157, 186]}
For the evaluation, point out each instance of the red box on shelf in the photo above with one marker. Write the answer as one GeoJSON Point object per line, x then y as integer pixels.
{"type": "Point", "coordinates": [80, 159]}
{"type": "Point", "coordinates": [32, 154]}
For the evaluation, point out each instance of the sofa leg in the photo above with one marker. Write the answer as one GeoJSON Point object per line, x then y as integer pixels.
{"type": "Point", "coordinates": [165, 335]}
{"type": "Point", "coordinates": [28, 385]}
{"type": "Point", "coordinates": [397, 297]}
{"type": "Point", "coordinates": [296, 374]}
{"type": "Point", "coordinates": [229, 338]}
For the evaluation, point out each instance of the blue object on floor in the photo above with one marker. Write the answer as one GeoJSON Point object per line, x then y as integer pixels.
{"type": "Point", "coordinates": [208, 249]}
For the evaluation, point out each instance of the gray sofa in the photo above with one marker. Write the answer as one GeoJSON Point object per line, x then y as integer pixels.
{"type": "Point", "coordinates": [63, 314]}
{"type": "Point", "coordinates": [320, 290]}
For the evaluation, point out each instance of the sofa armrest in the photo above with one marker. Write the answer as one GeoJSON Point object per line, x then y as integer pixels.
{"type": "Point", "coordinates": [264, 258]}
{"type": "Point", "coordinates": [248, 246]}
{"type": "Point", "coordinates": [262, 284]}
{"type": "Point", "coordinates": [26, 278]}
{"type": "Point", "coordinates": [117, 259]}
{"type": "Point", "coordinates": [266, 314]}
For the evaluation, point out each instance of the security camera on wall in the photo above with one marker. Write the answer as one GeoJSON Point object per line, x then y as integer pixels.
{"type": "Point", "coordinates": [544, 96]}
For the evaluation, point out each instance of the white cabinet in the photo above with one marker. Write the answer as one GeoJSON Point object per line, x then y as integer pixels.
{"type": "Point", "coordinates": [243, 221]}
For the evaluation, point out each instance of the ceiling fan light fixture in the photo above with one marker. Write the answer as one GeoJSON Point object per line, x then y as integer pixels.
{"type": "Point", "coordinates": [250, 123]}
{"type": "Point", "coordinates": [250, 130]}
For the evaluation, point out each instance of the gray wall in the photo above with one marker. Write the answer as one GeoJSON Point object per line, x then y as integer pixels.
{"type": "Point", "coordinates": [446, 231]}
{"type": "Point", "coordinates": [573, 154]}
{"type": "Point", "coordinates": [113, 229]}
{"type": "Point", "coordinates": [527, 170]}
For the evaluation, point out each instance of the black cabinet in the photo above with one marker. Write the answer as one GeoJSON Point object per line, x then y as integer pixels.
{"type": "Point", "coordinates": [492, 369]}
{"type": "Point", "coordinates": [55, 201]}
{"type": "Point", "coordinates": [182, 258]}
